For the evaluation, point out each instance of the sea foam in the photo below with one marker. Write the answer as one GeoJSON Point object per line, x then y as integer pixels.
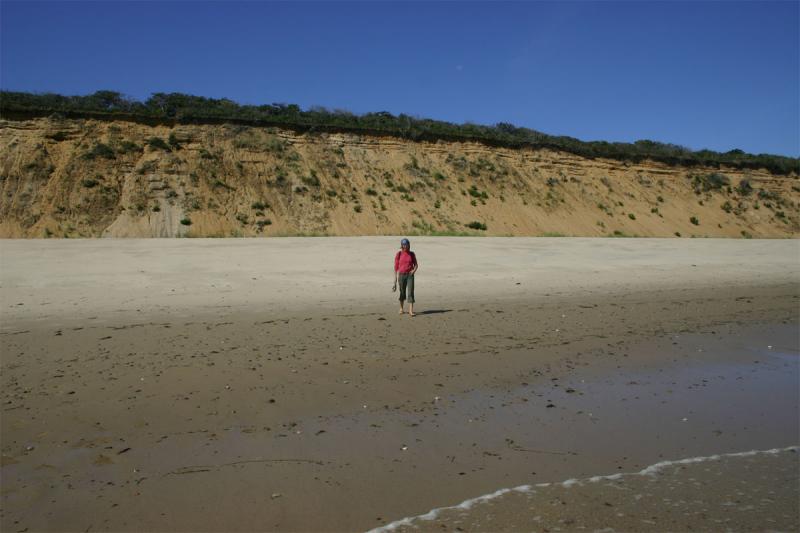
{"type": "Point", "coordinates": [648, 471]}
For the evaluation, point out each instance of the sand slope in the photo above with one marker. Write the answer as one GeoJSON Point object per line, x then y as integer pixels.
{"type": "Point", "coordinates": [86, 178]}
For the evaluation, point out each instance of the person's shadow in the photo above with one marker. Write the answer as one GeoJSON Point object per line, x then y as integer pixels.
{"type": "Point", "coordinates": [433, 311]}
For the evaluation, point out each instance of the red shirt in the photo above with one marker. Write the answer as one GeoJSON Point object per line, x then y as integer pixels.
{"type": "Point", "coordinates": [404, 262]}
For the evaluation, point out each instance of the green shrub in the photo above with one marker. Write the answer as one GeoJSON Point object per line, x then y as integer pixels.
{"type": "Point", "coordinates": [631, 216]}
{"type": "Point", "coordinates": [423, 227]}
{"type": "Point", "coordinates": [158, 143]}
{"type": "Point", "coordinates": [474, 192]}
{"type": "Point", "coordinates": [274, 144]}
{"type": "Point", "coordinates": [222, 184]}
{"type": "Point", "coordinates": [694, 221]}
{"type": "Point", "coordinates": [311, 181]}
{"type": "Point", "coordinates": [173, 141]}
{"type": "Point", "coordinates": [372, 192]}
{"type": "Point", "coordinates": [708, 182]}
{"type": "Point", "coordinates": [186, 221]}
{"type": "Point", "coordinates": [476, 225]}
{"type": "Point", "coordinates": [744, 188]}
{"type": "Point", "coordinates": [764, 194]}
{"type": "Point", "coordinates": [357, 208]}
{"type": "Point", "coordinates": [727, 207]}
{"type": "Point", "coordinates": [126, 147]}
{"type": "Point", "coordinates": [100, 150]}
{"type": "Point", "coordinates": [89, 183]}
{"type": "Point", "coordinates": [260, 206]}
{"type": "Point", "coordinates": [58, 136]}
{"type": "Point", "coordinates": [331, 193]}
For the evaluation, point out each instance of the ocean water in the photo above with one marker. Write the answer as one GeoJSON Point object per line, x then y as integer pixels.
{"type": "Point", "coordinates": [742, 395]}
{"type": "Point", "coordinates": [749, 491]}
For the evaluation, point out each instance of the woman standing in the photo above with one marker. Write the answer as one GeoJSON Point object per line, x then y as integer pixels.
{"type": "Point", "coordinates": [405, 264]}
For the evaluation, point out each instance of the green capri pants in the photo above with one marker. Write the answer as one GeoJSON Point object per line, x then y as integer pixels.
{"type": "Point", "coordinates": [406, 286]}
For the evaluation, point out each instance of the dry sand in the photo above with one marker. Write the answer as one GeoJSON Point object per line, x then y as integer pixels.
{"type": "Point", "coordinates": [114, 279]}
{"type": "Point", "coordinates": [270, 384]}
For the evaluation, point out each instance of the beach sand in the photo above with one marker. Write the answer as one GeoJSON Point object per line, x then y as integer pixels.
{"type": "Point", "coordinates": [210, 385]}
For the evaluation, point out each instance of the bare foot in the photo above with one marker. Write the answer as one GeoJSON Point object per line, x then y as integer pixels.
{"type": "Point", "coordinates": [412, 314]}
{"type": "Point", "coordinates": [400, 312]}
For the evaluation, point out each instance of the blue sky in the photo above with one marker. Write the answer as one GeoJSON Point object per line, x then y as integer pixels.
{"type": "Point", "coordinates": [718, 75]}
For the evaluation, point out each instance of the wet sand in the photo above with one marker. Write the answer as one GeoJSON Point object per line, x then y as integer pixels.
{"type": "Point", "coordinates": [132, 408]}
{"type": "Point", "coordinates": [749, 491]}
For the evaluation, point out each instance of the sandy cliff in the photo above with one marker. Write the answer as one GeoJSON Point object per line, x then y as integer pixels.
{"type": "Point", "coordinates": [86, 178]}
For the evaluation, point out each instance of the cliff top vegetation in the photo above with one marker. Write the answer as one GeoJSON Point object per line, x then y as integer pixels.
{"type": "Point", "coordinates": [189, 109]}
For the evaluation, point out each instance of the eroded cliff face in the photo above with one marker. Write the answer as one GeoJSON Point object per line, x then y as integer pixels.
{"type": "Point", "coordinates": [85, 178]}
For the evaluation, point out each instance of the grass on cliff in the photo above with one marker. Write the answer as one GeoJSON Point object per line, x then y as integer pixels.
{"type": "Point", "coordinates": [183, 108]}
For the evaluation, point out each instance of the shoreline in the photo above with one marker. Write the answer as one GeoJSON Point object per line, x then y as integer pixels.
{"type": "Point", "coordinates": [508, 518]}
